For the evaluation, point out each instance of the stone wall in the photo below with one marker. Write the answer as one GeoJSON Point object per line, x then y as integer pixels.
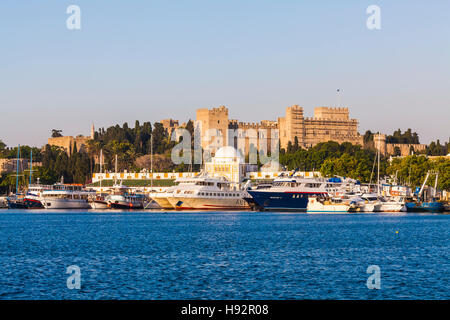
{"type": "Point", "coordinates": [67, 143]}
{"type": "Point", "coordinates": [389, 148]}
{"type": "Point", "coordinates": [10, 165]}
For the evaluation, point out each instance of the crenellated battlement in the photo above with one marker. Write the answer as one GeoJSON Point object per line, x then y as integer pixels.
{"type": "Point", "coordinates": [328, 123]}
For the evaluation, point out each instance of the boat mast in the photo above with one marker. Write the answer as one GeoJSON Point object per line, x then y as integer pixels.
{"type": "Point", "coordinates": [373, 169]}
{"type": "Point", "coordinates": [423, 185]}
{"type": "Point", "coordinates": [115, 174]}
{"type": "Point", "coordinates": [17, 169]}
{"type": "Point", "coordinates": [378, 154]}
{"type": "Point", "coordinates": [101, 161]}
{"type": "Point", "coordinates": [31, 164]}
{"type": "Point", "coordinates": [435, 184]}
{"type": "Point", "coordinates": [151, 161]}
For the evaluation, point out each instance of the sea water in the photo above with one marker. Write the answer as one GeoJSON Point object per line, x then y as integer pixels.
{"type": "Point", "coordinates": [222, 255]}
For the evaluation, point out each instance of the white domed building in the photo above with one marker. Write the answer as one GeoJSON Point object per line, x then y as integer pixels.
{"type": "Point", "coordinates": [229, 163]}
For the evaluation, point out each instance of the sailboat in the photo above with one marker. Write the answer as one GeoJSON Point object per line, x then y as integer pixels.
{"type": "Point", "coordinates": [33, 197]}
{"type": "Point", "coordinates": [123, 197]}
{"type": "Point", "coordinates": [16, 200]}
{"type": "Point", "coordinates": [99, 200]}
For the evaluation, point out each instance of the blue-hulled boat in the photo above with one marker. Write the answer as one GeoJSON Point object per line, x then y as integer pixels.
{"type": "Point", "coordinates": [289, 194]}
{"type": "Point", "coordinates": [432, 206]}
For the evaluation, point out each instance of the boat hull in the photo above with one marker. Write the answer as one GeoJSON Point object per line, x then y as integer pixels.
{"type": "Point", "coordinates": [17, 205]}
{"type": "Point", "coordinates": [126, 205]}
{"type": "Point", "coordinates": [163, 202]}
{"type": "Point", "coordinates": [33, 203]}
{"type": "Point", "coordinates": [66, 204]}
{"type": "Point", "coordinates": [288, 201]}
{"type": "Point", "coordinates": [424, 207]}
{"type": "Point", "coordinates": [315, 206]}
{"type": "Point", "coordinates": [391, 207]}
{"type": "Point", "coordinates": [208, 203]}
{"type": "Point", "coordinates": [97, 204]}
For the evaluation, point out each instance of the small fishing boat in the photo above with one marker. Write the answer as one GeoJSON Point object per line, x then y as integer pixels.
{"type": "Point", "coordinates": [432, 206]}
{"type": "Point", "coordinates": [98, 201]}
{"type": "Point", "coordinates": [422, 205]}
{"type": "Point", "coordinates": [123, 197]}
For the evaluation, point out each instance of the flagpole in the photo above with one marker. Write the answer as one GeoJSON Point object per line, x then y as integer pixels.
{"type": "Point", "coordinates": [338, 97]}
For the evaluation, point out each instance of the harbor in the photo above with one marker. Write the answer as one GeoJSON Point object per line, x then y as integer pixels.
{"type": "Point", "coordinates": [224, 159]}
{"type": "Point", "coordinates": [227, 190]}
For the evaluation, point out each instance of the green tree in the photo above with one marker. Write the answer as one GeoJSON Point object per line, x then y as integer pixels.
{"type": "Point", "coordinates": [56, 133]}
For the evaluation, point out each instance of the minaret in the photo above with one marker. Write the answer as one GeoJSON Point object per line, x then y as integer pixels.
{"type": "Point", "coordinates": [92, 131]}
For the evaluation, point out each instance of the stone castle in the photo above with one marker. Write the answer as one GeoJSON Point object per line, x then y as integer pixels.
{"type": "Point", "coordinates": [327, 124]}
{"type": "Point", "coordinates": [404, 149]}
{"type": "Point", "coordinates": [68, 142]}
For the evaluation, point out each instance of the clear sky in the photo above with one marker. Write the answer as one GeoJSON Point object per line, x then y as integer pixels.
{"type": "Point", "coordinates": [150, 60]}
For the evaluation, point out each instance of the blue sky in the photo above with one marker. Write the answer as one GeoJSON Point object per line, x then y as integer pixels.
{"type": "Point", "coordinates": [150, 60]}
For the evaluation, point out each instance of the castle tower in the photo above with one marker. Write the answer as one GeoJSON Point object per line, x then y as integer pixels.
{"type": "Point", "coordinates": [214, 120]}
{"type": "Point", "coordinates": [380, 143]}
{"type": "Point", "coordinates": [291, 126]}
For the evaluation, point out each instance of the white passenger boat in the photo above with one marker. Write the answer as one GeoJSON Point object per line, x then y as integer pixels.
{"type": "Point", "coordinates": [66, 196]}
{"type": "Point", "coordinates": [207, 193]}
{"type": "Point", "coordinates": [161, 198]}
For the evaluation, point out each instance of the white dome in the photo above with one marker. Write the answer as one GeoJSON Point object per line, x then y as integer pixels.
{"type": "Point", "coordinates": [229, 153]}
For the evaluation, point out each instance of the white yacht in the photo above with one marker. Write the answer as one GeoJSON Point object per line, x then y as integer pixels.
{"type": "Point", "coordinates": [392, 204]}
{"type": "Point", "coordinates": [327, 205]}
{"type": "Point", "coordinates": [365, 203]}
{"type": "Point", "coordinates": [66, 196]}
{"type": "Point", "coordinates": [161, 198]}
{"type": "Point", "coordinates": [207, 193]}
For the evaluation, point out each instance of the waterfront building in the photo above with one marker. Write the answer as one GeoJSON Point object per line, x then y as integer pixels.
{"type": "Point", "coordinates": [229, 163]}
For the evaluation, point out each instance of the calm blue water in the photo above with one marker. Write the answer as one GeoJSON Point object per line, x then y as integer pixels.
{"type": "Point", "coordinates": [154, 255]}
